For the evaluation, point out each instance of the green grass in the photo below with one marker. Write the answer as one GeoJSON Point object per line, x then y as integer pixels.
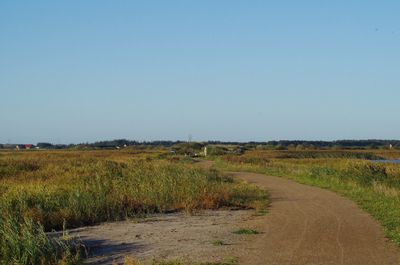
{"type": "Point", "coordinates": [246, 232]}
{"type": "Point", "coordinates": [26, 243]}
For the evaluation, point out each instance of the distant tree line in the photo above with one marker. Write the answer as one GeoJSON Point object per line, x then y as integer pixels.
{"type": "Point", "coordinates": [337, 144]}
{"type": "Point", "coordinates": [282, 144]}
{"type": "Point", "coordinates": [124, 142]}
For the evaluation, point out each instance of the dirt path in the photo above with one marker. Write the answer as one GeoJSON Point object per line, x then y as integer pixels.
{"type": "Point", "coordinates": [309, 225]}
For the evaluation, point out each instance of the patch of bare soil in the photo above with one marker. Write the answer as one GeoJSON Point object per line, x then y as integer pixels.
{"type": "Point", "coordinates": [205, 237]}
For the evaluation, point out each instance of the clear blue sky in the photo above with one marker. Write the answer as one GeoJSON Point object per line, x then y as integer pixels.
{"type": "Point", "coordinates": [77, 71]}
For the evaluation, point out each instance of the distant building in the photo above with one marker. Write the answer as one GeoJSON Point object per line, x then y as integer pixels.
{"type": "Point", "coordinates": [28, 146]}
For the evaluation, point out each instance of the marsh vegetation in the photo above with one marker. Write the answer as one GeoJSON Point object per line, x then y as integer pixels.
{"type": "Point", "coordinates": [43, 191]}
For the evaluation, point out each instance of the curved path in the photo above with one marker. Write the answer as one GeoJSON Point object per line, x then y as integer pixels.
{"type": "Point", "coordinates": [309, 225]}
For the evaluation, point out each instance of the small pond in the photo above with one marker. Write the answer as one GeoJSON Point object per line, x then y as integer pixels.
{"type": "Point", "coordinates": [396, 161]}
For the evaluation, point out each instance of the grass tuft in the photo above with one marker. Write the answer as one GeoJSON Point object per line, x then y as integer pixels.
{"type": "Point", "coordinates": [246, 232]}
{"type": "Point", "coordinates": [218, 243]}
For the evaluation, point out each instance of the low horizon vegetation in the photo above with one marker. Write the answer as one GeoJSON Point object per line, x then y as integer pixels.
{"type": "Point", "coordinates": [370, 144]}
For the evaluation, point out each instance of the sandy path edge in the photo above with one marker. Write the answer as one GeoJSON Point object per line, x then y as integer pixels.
{"type": "Point", "coordinates": [310, 225]}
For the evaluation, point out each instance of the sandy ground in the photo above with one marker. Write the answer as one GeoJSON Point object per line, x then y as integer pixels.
{"type": "Point", "coordinates": [176, 236]}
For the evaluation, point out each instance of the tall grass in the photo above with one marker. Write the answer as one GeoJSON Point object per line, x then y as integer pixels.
{"type": "Point", "coordinates": [26, 243]}
{"type": "Point", "coordinates": [264, 156]}
{"type": "Point", "coordinates": [114, 191]}
{"type": "Point", "coordinates": [45, 191]}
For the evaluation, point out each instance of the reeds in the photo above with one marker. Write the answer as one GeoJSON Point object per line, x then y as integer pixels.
{"type": "Point", "coordinates": [25, 242]}
{"type": "Point", "coordinates": [45, 191]}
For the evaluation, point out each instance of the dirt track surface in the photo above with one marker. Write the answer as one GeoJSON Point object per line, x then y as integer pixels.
{"type": "Point", "coordinates": [309, 225]}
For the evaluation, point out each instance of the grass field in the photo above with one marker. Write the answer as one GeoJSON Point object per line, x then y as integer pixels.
{"type": "Point", "coordinates": [52, 190]}
{"type": "Point", "coordinates": [42, 191]}
{"type": "Point", "coordinates": [374, 186]}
